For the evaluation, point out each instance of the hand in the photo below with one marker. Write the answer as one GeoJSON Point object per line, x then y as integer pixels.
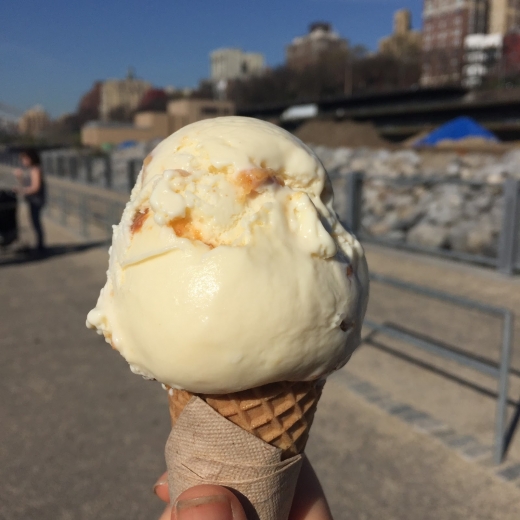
{"type": "Point", "coordinates": [212, 502]}
{"type": "Point", "coordinates": [18, 173]}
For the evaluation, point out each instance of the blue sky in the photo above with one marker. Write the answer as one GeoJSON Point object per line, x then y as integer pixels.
{"type": "Point", "coordinates": [51, 51]}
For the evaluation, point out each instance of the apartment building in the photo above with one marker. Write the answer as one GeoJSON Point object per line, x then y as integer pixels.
{"type": "Point", "coordinates": [308, 50]}
{"type": "Point", "coordinates": [123, 95]}
{"type": "Point", "coordinates": [404, 41]}
{"type": "Point", "coordinates": [481, 53]}
{"type": "Point", "coordinates": [446, 23]}
{"type": "Point", "coordinates": [34, 122]}
{"type": "Point", "coordinates": [229, 64]}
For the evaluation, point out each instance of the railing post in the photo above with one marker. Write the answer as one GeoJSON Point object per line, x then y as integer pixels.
{"type": "Point", "coordinates": [60, 169]}
{"type": "Point", "coordinates": [108, 172]}
{"type": "Point", "coordinates": [46, 162]}
{"type": "Point", "coordinates": [73, 167]}
{"type": "Point", "coordinates": [53, 167]}
{"type": "Point", "coordinates": [503, 389]}
{"type": "Point", "coordinates": [63, 207]}
{"type": "Point", "coordinates": [354, 201]}
{"type": "Point", "coordinates": [88, 168]}
{"type": "Point", "coordinates": [131, 169]}
{"type": "Point", "coordinates": [509, 244]}
{"type": "Point", "coordinates": [83, 216]}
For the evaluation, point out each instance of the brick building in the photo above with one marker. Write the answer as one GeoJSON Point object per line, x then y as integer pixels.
{"type": "Point", "coordinates": [511, 54]}
{"type": "Point", "coordinates": [308, 50]}
{"type": "Point", "coordinates": [446, 23]}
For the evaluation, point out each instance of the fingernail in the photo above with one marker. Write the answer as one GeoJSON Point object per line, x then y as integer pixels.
{"type": "Point", "coordinates": [160, 482]}
{"type": "Point", "coordinates": [214, 507]}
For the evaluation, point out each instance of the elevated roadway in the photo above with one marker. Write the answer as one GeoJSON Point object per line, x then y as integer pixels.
{"type": "Point", "coordinates": [398, 115]}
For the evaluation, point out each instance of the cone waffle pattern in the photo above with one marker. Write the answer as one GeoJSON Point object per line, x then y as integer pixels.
{"type": "Point", "coordinates": [280, 414]}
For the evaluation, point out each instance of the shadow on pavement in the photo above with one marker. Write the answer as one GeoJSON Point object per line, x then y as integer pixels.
{"type": "Point", "coordinates": [515, 420]}
{"type": "Point", "coordinates": [23, 256]}
{"type": "Point", "coordinates": [510, 433]}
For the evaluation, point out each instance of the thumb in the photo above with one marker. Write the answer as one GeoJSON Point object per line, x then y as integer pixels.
{"type": "Point", "coordinates": [208, 503]}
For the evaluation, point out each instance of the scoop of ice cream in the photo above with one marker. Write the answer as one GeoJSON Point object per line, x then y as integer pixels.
{"type": "Point", "coordinates": [229, 269]}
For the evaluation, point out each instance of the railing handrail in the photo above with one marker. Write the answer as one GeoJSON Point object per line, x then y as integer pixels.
{"type": "Point", "coordinates": [87, 189]}
{"type": "Point", "coordinates": [498, 371]}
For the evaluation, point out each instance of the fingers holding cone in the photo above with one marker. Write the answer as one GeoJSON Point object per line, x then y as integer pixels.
{"type": "Point", "coordinates": [209, 502]}
{"type": "Point", "coordinates": [205, 502]}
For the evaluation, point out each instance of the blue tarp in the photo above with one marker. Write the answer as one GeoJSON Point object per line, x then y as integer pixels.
{"type": "Point", "coordinates": [126, 144]}
{"type": "Point", "coordinates": [456, 129]}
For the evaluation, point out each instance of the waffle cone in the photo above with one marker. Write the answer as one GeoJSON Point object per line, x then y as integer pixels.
{"type": "Point", "coordinates": [280, 414]}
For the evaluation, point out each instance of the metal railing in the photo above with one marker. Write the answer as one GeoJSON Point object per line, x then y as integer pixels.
{"type": "Point", "coordinates": [499, 371]}
{"type": "Point", "coordinates": [104, 171]}
{"type": "Point", "coordinates": [507, 258]}
{"type": "Point", "coordinates": [81, 167]}
{"type": "Point", "coordinates": [509, 248]}
{"type": "Point", "coordinates": [84, 209]}
{"type": "Point", "coordinates": [100, 171]}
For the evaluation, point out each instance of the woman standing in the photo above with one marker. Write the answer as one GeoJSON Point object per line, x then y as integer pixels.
{"type": "Point", "coordinates": [34, 192]}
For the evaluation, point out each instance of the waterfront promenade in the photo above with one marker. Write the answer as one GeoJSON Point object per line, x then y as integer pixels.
{"type": "Point", "coordinates": [83, 438]}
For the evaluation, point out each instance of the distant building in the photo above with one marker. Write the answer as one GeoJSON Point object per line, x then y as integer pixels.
{"type": "Point", "coordinates": [510, 65]}
{"type": "Point", "coordinates": [146, 126]}
{"type": "Point", "coordinates": [481, 53]}
{"type": "Point", "coordinates": [34, 122]}
{"type": "Point", "coordinates": [121, 95]}
{"type": "Point", "coordinates": [150, 125]}
{"type": "Point", "coordinates": [504, 16]}
{"type": "Point", "coordinates": [446, 23]}
{"type": "Point", "coordinates": [403, 42]}
{"type": "Point", "coordinates": [229, 64]}
{"type": "Point", "coordinates": [182, 112]}
{"type": "Point", "coordinates": [308, 50]}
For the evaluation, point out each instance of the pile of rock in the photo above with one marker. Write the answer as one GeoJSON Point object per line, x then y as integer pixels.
{"type": "Point", "coordinates": [426, 198]}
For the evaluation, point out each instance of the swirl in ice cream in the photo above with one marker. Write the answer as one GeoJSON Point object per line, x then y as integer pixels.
{"type": "Point", "coordinates": [230, 269]}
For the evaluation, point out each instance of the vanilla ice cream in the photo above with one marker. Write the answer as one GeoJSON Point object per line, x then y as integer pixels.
{"type": "Point", "coordinates": [229, 269]}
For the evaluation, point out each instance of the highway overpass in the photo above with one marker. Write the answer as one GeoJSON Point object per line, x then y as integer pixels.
{"type": "Point", "coordinates": [398, 115]}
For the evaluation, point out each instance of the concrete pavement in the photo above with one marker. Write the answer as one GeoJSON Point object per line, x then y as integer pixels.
{"type": "Point", "coordinates": [83, 438]}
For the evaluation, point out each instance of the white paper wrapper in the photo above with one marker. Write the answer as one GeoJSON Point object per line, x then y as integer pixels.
{"type": "Point", "coordinates": [205, 448]}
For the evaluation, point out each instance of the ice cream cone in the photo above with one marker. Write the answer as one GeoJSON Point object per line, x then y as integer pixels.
{"type": "Point", "coordinates": [280, 414]}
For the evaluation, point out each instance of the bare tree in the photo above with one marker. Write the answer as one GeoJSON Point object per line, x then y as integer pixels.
{"type": "Point", "coordinates": [335, 75]}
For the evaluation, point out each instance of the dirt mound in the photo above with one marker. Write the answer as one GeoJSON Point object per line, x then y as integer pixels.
{"type": "Point", "coordinates": [340, 133]}
{"type": "Point", "coordinates": [411, 141]}
{"type": "Point", "coordinates": [471, 143]}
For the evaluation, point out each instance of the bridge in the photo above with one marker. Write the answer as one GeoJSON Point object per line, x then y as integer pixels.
{"type": "Point", "coordinates": [401, 114]}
